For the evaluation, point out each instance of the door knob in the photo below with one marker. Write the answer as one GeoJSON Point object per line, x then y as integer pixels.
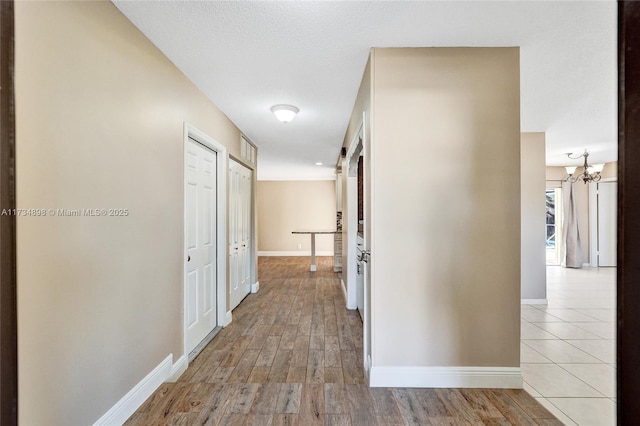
{"type": "Point", "coordinates": [188, 258]}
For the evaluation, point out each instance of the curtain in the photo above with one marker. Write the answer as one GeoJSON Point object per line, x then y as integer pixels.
{"type": "Point", "coordinates": [572, 256]}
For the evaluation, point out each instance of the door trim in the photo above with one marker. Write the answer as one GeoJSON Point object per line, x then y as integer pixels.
{"type": "Point", "coordinates": [190, 131]}
{"type": "Point", "coordinates": [360, 145]}
{"type": "Point", "coordinates": [628, 308]}
{"type": "Point", "coordinates": [350, 220]}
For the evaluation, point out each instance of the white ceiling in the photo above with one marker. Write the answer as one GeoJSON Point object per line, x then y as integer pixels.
{"type": "Point", "coordinates": [248, 56]}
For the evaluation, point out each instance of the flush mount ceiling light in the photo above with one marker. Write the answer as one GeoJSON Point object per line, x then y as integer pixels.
{"type": "Point", "coordinates": [589, 173]}
{"type": "Point", "coordinates": [284, 113]}
{"type": "Point", "coordinates": [318, 164]}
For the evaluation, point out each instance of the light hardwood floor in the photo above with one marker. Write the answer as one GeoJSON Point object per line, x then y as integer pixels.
{"type": "Point", "coordinates": [292, 356]}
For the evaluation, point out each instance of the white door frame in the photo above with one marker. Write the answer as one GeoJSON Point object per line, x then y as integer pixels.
{"type": "Point", "coordinates": [205, 140]}
{"type": "Point", "coordinates": [360, 146]}
{"type": "Point", "coordinates": [351, 219]}
{"type": "Point", "coordinates": [593, 221]}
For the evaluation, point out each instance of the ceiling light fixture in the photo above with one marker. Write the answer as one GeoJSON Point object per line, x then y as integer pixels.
{"type": "Point", "coordinates": [589, 173]}
{"type": "Point", "coordinates": [318, 164]}
{"type": "Point", "coordinates": [284, 113]}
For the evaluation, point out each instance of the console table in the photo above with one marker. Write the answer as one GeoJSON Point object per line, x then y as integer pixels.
{"type": "Point", "coordinates": [313, 243]}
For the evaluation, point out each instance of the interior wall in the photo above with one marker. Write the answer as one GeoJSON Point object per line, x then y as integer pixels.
{"type": "Point", "coordinates": [533, 275]}
{"type": "Point", "coordinates": [610, 170]}
{"type": "Point", "coordinates": [287, 206]}
{"type": "Point", "coordinates": [100, 114]}
{"type": "Point", "coordinates": [445, 258]}
{"type": "Point", "coordinates": [554, 176]}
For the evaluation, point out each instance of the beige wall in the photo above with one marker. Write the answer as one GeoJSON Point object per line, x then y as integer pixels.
{"type": "Point", "coordinates": [554, 175]}
{"type": "Point", "coordinates": [286, 206]}
{"type": "Point", "coordinates": [610, 170]}
{"type": "Point", "coordinates": [446, 197]}
{"type": "Point", "coordinates": [533, 276]}
{"type": "Point", "coordinates": [100, 115]}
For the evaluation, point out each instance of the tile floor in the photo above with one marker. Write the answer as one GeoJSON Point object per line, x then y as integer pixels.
{"type": "Point", "coordinates": [568, 346]}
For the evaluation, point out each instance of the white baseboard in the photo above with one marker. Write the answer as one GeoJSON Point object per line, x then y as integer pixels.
{"type": "Point", "coordinates": [344, 290]}
{"type": "Point", "coordinates": [255, 287]}
{"type": "Point", "coordinates": [179, 367]}
{"type": "Point", "coordinates": [128, 404]}
{"type": "Point", "coordinates": [446, 377]}
{"type": "Point", "coordinates": [349, 305]}
{"type": "Point", "coordinates": [228, 319]}
{"type": "Point", "coordinates": [534, 301]}
{"type": "Point", "coordinates": [294, 253]}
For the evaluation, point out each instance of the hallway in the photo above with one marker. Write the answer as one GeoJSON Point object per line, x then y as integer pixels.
{"type": "Point", "coordinates": [292, 356]}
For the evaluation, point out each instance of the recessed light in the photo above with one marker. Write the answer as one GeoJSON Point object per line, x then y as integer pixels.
{"type": "Point", "coordinates": [318, 164]}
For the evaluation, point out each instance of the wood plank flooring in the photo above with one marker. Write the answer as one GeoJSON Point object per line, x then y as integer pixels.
{"type": "Point", "coordinates": [292, 356]}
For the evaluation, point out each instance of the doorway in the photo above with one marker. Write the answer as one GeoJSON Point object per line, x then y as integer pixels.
{"type": "Point", "coordinates": [603, 207]}
{"type": "Point", "coordinates": [204, 237]}
{"type": "Point", "coordinates": [357, 272]}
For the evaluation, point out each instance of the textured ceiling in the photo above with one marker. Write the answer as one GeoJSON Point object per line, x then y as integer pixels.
{"type": "Point", "coordinates": [248, 56]}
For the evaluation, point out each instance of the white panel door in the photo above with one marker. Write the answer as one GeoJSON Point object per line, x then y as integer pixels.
{"type": "Point", "coordinates": [607, 223]}
{"type": "Point", "coordinates": [245, 234]}
{"type": "Point", "coordinates": [200, 224]}
{"type": "Point", "coordinates": [239, 232]}
{"type": "Point", "coordinates": [234, 241]}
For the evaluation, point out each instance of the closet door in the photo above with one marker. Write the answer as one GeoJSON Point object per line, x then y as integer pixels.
{"type": "Point", "coordinates": [240, 232]}
{"type": "Point", "coordinates": [200, 226]}
{"type": "Point", "coordinates": [245, 228]}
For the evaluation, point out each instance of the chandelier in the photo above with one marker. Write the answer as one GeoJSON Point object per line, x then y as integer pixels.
{"type": "Point", "coordinates": [589, 173]}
